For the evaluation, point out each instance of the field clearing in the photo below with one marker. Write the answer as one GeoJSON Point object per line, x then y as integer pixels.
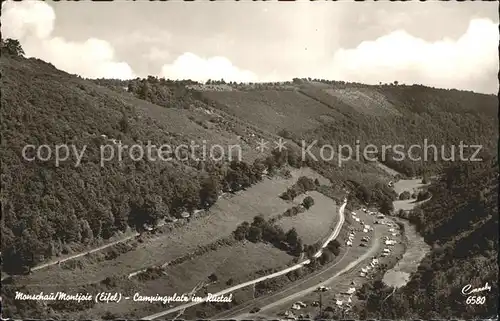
{"type": "Point", "coordinates": [315, 223]}
{"type": "Point", "coordinates": [180, 125]}
{"type": "Point", "coordinates": [221, 221]}
{"type": "Point", "coordinates": [235, 262]}
{"type": "Point", "coordinates": [409, 185]}
{"type": "Point", "coordinates": [168, 125]}
{"type": "Point", "coordinates": [412, 186]}
{"type": "Point", "coordinates": [365, 101]}
{"type": "Point", "coordinates": [406, 205]}
{"type": "Point", "coordinates": [387, 169]}
{"type": "Point", "coordinates": [273, 110]}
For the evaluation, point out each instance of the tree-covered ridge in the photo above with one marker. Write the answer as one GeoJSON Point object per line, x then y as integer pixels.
{"type": "Point", "coordinates": [160, 91]}
{"type": "Point", "coordinates": [442, 118]}
{"type": "Point", "coordinates": [461, 222]}
{"type": "Point", "coordinates": [49, 209]}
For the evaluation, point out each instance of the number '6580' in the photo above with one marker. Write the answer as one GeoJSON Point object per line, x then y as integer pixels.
{"type": "Point", "coordinates": [475, 300]}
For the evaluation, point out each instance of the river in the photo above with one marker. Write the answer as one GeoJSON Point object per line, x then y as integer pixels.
{"type": "Point", "coordinates": [416, 248]}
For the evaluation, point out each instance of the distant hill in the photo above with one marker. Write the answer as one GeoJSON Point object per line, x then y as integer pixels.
{"type": "Point", "coordinates": [341, 113]}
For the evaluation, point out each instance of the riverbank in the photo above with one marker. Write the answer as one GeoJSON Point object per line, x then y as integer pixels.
{"type": "Point", "coordinates": [415, 250]}
{"type": "Point", "coordinates": [415, 247]}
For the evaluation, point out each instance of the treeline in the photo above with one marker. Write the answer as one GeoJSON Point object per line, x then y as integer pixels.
{"type": "Point", "coordinates": [262, 230]}
{"type": "Point", "coordinates": [329, 254]}
{"type": "Point", "coordinates": [166, 93]}
{"type": "Point", "coordinates": [303, 184]}
{"type": "Point", "coordinates": [435, 120]}
{"type": "Point", "coordinates": [307, 203]}
{"type": "Point", "coordinates": [461, 224]}
{"type": "Point", "coordinates": [160, 91]}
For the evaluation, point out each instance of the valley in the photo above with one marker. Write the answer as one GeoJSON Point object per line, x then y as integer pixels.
{"type": "Point", "coordinates": [269, 228]}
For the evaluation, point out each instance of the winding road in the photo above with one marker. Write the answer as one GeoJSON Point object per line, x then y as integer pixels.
{"type": "Point", "coordinates": [42, 266]}
{"type": "Point", "coordinates": [102, 247]}
{"type": "Point", "coordinates": [296, 295]}
{"type": "Point", "coordinates": [97, 249]}
{"type": "Point", "coordinates": [334, 235]}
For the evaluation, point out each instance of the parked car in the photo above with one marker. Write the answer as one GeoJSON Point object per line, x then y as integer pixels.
{"type": "Point", "coordinates": [301, 304]}
{"type": "Point", "coordinates": [255, 310]}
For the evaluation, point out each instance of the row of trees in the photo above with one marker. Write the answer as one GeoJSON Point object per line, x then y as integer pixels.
{"type": "Point", "coordinates": [378, 194]}
{"type": "Point", "coordinates": [275, 284]}
{"type": "Point", "coordinates": [303, 184]}
{"type": "Point", "coordinates": [261, 230]}
{"type": "Point", "coordinates": [268, 231]}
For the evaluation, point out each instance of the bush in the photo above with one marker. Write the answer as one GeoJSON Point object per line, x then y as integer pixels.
{"type": "Point", "coordinates": [326, 257]}
{"type": "Point", "coordinates": [306, 184]}
{"type": "Point", "coordinates": [254, 234]}
{"type": "Point", "coordinates": [11, 47]}
{"type": "Point", "coordinates": [386, 207]}
{"type": "Point", "coordinates": [334, 247]}
{"type": "Point", "coordinates": [213, 277]}
{"type": "Point", "coordinates": [405, 195]}
{"type": "Point", "coordinates": [308, 202]}
{"type": "Point", "coordinates": [242, 231]}
{"type": "Point", "coordinates": [423, 195]}
{"type": "Point", "coordinates": [285, 134]}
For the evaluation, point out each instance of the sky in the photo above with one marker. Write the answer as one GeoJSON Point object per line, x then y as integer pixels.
{"type": "Point", "coordinates": [440, 44]}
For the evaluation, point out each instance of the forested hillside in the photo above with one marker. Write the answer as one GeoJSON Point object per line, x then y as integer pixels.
{"type": "Point", "coordinates": [49, 210]}
{"type": "Point", "coordinates": [410, 115]}
{"type": "Point", "coordinates": [461, 223]}
{"type": "Point", "coordinates": [340, 113]}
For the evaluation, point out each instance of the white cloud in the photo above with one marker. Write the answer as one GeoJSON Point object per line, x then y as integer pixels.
{"type": "Point", "coordinates": [156, 54]}
{"type": "Point", "coordinates": [469, 63]}
{"type": "Point", "coordinates": [190, 66]}
{"type": "Point", "coordinates": [32, 23]}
